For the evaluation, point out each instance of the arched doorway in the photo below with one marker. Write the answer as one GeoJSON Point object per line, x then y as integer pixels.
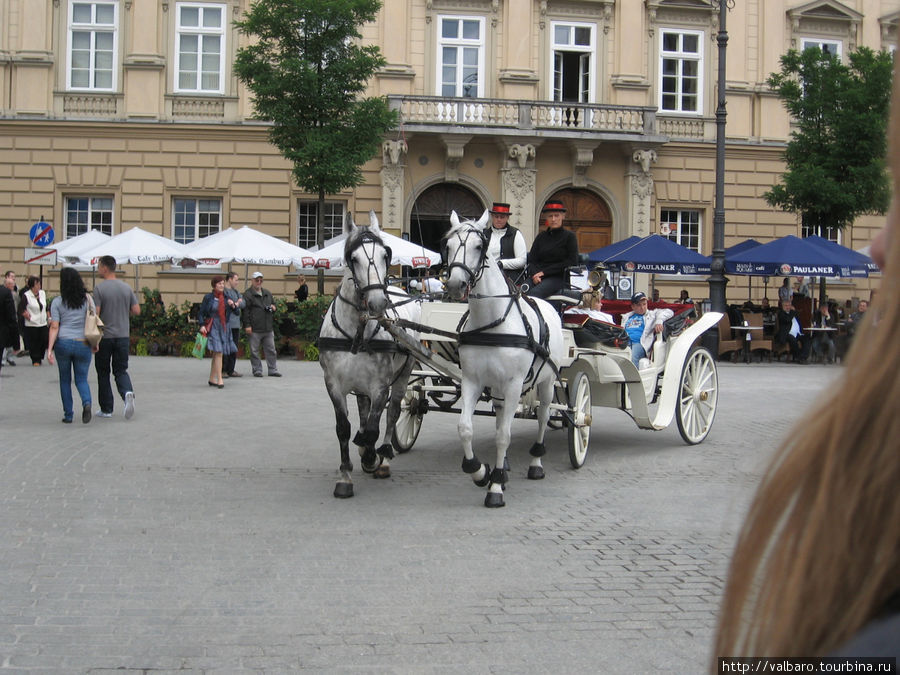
{"type": "Point", "coordinates": [588, 216]}
{"type": "Point", "coordinates": [430, 217]}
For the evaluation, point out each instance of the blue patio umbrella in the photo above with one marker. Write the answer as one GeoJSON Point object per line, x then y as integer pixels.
{"type": "Point", "coordinates": [653, 254]}
{"type": "Point", "coordinates": [600, 255]}
{"type": "Point", "coordinates": [853, 258]}
{"type": "Point", "coordinates": [792, 256]}
{"type": "Point", "coordinates": [740, 247]}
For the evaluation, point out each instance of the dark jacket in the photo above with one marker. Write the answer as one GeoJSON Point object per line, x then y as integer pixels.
{"type": "Point", "coordinates": [301, 293]}
{"type": "Point", "coordinates": [552, 252]}
{"type": "Point", "coordinates": [783, 321]}
{"type": "Point", "coordinates": [9, 325]}
{"type": "Point", "coordinates": [822, 321]}
{"type": "Point", "coordinates": [208, 309]}
{"type": "Point", "coordinates": [256, 314]}
{"type": "Point", "coordinates": [507, 243]}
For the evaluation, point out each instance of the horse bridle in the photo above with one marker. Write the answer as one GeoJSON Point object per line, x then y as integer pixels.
{"type": "Point", "coordinates": [474, 274]}
{"type": "Point", "coordinates": [366, 237]}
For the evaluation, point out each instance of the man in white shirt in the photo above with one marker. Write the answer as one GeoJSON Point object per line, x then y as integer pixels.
{"type": "Point", "coordinates": [506, 244]}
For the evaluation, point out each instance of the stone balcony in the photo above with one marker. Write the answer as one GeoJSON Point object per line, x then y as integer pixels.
{"type": "Point", "coordinates": [502, 117]}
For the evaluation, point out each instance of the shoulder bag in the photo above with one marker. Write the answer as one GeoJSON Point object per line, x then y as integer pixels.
{"type": "Point", "coordinates": [93, 326]}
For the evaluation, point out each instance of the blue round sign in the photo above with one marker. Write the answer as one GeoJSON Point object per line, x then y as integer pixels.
{"type": "Point", "coordinates": [41, 234]}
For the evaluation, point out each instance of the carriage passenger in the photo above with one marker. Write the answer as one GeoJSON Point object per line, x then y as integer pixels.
{"type": "Point", "coordinates": [642, 324]}
{"type": "Point", "coordinates": [591, 305]}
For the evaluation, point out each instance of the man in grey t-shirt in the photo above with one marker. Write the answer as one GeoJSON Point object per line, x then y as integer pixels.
{"type": "Point", "coordinates": [116, 302]}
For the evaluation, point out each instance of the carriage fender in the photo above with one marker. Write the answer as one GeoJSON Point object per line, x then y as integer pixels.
{"type": "Point", "coordinates": [678, 351]}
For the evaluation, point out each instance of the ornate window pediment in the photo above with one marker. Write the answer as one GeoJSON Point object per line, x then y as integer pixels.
{"type": "Point", "coordinates": [825, 18]}
{"type": "Point", "coordinates": [889, 25]}
{"type": "Point", "coordinates": [699, 14]}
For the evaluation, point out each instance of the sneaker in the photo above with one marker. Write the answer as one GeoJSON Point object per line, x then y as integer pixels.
{"type": "Point", "coordinates": [10, 362]}
{"type": "Point", "coordinates": [274, 374]}
{"type": "Point", "coordinates": [100, 413]}
{"type": "Point", "coordinates": [234, 375]}
{"type": "Point", "coordinates": [67, 420]}
{"type": "Point", "coordinates": [257, 374]}
{"type": "Point", "coordinates": [129, 405]}
{"type": "Point", "coordinates": [86, 414]}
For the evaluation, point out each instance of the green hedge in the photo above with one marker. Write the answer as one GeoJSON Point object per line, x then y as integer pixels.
{"type": "Point", "coordinates": [161, 330]}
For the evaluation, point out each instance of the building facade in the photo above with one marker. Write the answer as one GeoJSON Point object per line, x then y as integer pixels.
{"type": "Point", "coordinates": [122, 113]}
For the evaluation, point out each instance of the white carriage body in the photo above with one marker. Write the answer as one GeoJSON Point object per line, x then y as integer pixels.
{"type": "Point", "coordinates": [614, 380]}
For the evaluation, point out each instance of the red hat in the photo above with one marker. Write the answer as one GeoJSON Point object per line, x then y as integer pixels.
{"type": "Point", "coordinates": [554, 205]}
{"type": "Point", "coordinates": [500, 208]}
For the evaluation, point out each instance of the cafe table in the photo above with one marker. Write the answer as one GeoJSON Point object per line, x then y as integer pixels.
{"type": "Point", "coordinates": [747, 339]}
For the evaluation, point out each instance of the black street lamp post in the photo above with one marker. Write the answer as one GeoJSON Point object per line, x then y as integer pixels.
{"type": "Point", "coordinates": [717, 280]}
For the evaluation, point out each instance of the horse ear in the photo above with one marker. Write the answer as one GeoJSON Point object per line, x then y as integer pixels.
{"type": "Point", "coordinates": [349, 225]}
{"type": "Point", "coordinates": [483, 221]}
{"type": "Point", "coordinates": [454, 219]}
{"type": "Point", "coordinates": [373, 222]}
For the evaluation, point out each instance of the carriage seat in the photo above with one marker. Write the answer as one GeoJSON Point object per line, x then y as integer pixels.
{"type": "Point", "coordinates": [566, 297]}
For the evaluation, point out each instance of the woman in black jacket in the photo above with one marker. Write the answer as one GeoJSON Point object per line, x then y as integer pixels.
{"type": "Point", "coordinates": [554, 250]}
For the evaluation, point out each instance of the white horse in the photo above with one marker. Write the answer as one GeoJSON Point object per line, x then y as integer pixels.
{"type": "Point", "coordinates": [508, 343]}
{"type": "Point", "coordinates": [359, 357]}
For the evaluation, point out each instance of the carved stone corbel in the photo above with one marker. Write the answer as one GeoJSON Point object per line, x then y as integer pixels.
{"type": "Point", "coordinates": [392, 151]}
{"type": "Point", "coordinates": [521, 153]}
{"type": "Point", "coordinates": [641, 189]}
{"type": "Point", "coordinates": [455, 146]}
{"type": "Point", "coordinates": [582, 159]}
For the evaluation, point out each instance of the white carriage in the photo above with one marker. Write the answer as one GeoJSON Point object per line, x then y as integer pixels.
{"type": "Point", "coordinates": [678, 380]}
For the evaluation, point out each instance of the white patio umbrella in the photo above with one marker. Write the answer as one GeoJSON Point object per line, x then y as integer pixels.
{"type": "Point", "coordinates": [135, 246]}
{"type": "Point", "coordinates": [402, 253]}
{"type": "Point", "coordinates": [70, 249]}
{"type": "Point", "coordinates": [245, 245]}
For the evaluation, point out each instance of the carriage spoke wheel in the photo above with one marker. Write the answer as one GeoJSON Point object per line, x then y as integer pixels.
{"type": "Point", "coordinates": [697, 396]}
{"type": "Point", "coordinates": [409, 421]}
{"type": "Point", "coordinates": [579, 390]}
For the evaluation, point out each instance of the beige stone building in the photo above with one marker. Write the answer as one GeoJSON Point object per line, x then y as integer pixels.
{"type": "Point", "coordinates": [122, 113]}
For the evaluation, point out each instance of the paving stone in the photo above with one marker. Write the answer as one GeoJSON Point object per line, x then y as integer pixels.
{"type": "Point", "coordinates": [201, 536]}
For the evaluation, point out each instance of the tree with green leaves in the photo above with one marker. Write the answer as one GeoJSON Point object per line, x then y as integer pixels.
{"type": "Point", "coordinates": [836, 166]}
{"type": "Point", "coordinates": [308, 72]}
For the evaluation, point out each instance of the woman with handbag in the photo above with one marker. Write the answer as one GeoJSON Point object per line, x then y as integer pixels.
{"type": "Point", "coordinates": [213, 315]}
{"type": "Point", "coordinates": [67, 346]}
{"type": "Point", "coordinates": [33, 308]}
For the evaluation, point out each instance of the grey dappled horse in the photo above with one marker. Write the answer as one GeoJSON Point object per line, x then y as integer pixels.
{"type": "Point", "coordinates": [359, 357]}
{"type": "Point", "coordinates": [507, 343]}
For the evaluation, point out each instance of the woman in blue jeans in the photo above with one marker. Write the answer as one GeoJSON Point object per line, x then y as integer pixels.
{"type": "Point", "coordinates": [67, 343]}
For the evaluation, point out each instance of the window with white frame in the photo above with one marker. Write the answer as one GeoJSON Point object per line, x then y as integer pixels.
{"type": "Point", "coordinates": [193, 219]}
{"type": "Point", "coordinates": [681, 226]}
{"type": "Point", "coordinates": [200, 48]}
{"type": "Point", "coordinates": [830, 233]}
{"type": "Point", "coordinates": [84, 214]}
{"type": "Point", "coordinates": [573, 62]}
{"type": "Point", "coordinates": [307, 215]}
{"type": "Point", "coordinates": [92, 42]}
{"type": "Point", "coordinates": [681, 71]}
{"type": "Point", "coordinates": [460, 57]}
{"type": "Point", "coordinates": [833, 47]}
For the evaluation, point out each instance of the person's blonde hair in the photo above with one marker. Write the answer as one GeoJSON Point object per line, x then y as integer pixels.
{"type": "Point", "coordinates": [588, 297]}
{"type": "Point", "coordinates": [819, 554]}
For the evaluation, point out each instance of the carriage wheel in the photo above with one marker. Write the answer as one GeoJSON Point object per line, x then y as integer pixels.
{"type": "Point", "coordinates": [697, 396]}
{"type": "Point", "coordinates": [579, 390]}
{"type": "Point", "coordinates": [406, 430]}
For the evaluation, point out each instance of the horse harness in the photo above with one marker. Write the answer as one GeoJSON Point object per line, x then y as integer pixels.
{"type": "Point", "coordinates": [479, 336]}
{"type": "Point", "coordinates": [358, 342]}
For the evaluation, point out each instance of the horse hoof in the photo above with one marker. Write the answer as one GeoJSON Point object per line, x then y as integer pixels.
{"type": "Point", "coordinates": [487, 477]}
{"type": "Point", "coordinates": [535, 473]}
{"type": "Point", "coordinates": [494, 500]}
{"type": "Point", "coordinates": [343, 490]}
{"type": "Point", "coordinates": [382, 472]}
{"type": "Point", "coordinates": [371, 466]}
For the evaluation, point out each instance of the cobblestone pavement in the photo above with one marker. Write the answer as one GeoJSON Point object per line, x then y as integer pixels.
{"type": "Point", "coordinates": [201, 536]}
